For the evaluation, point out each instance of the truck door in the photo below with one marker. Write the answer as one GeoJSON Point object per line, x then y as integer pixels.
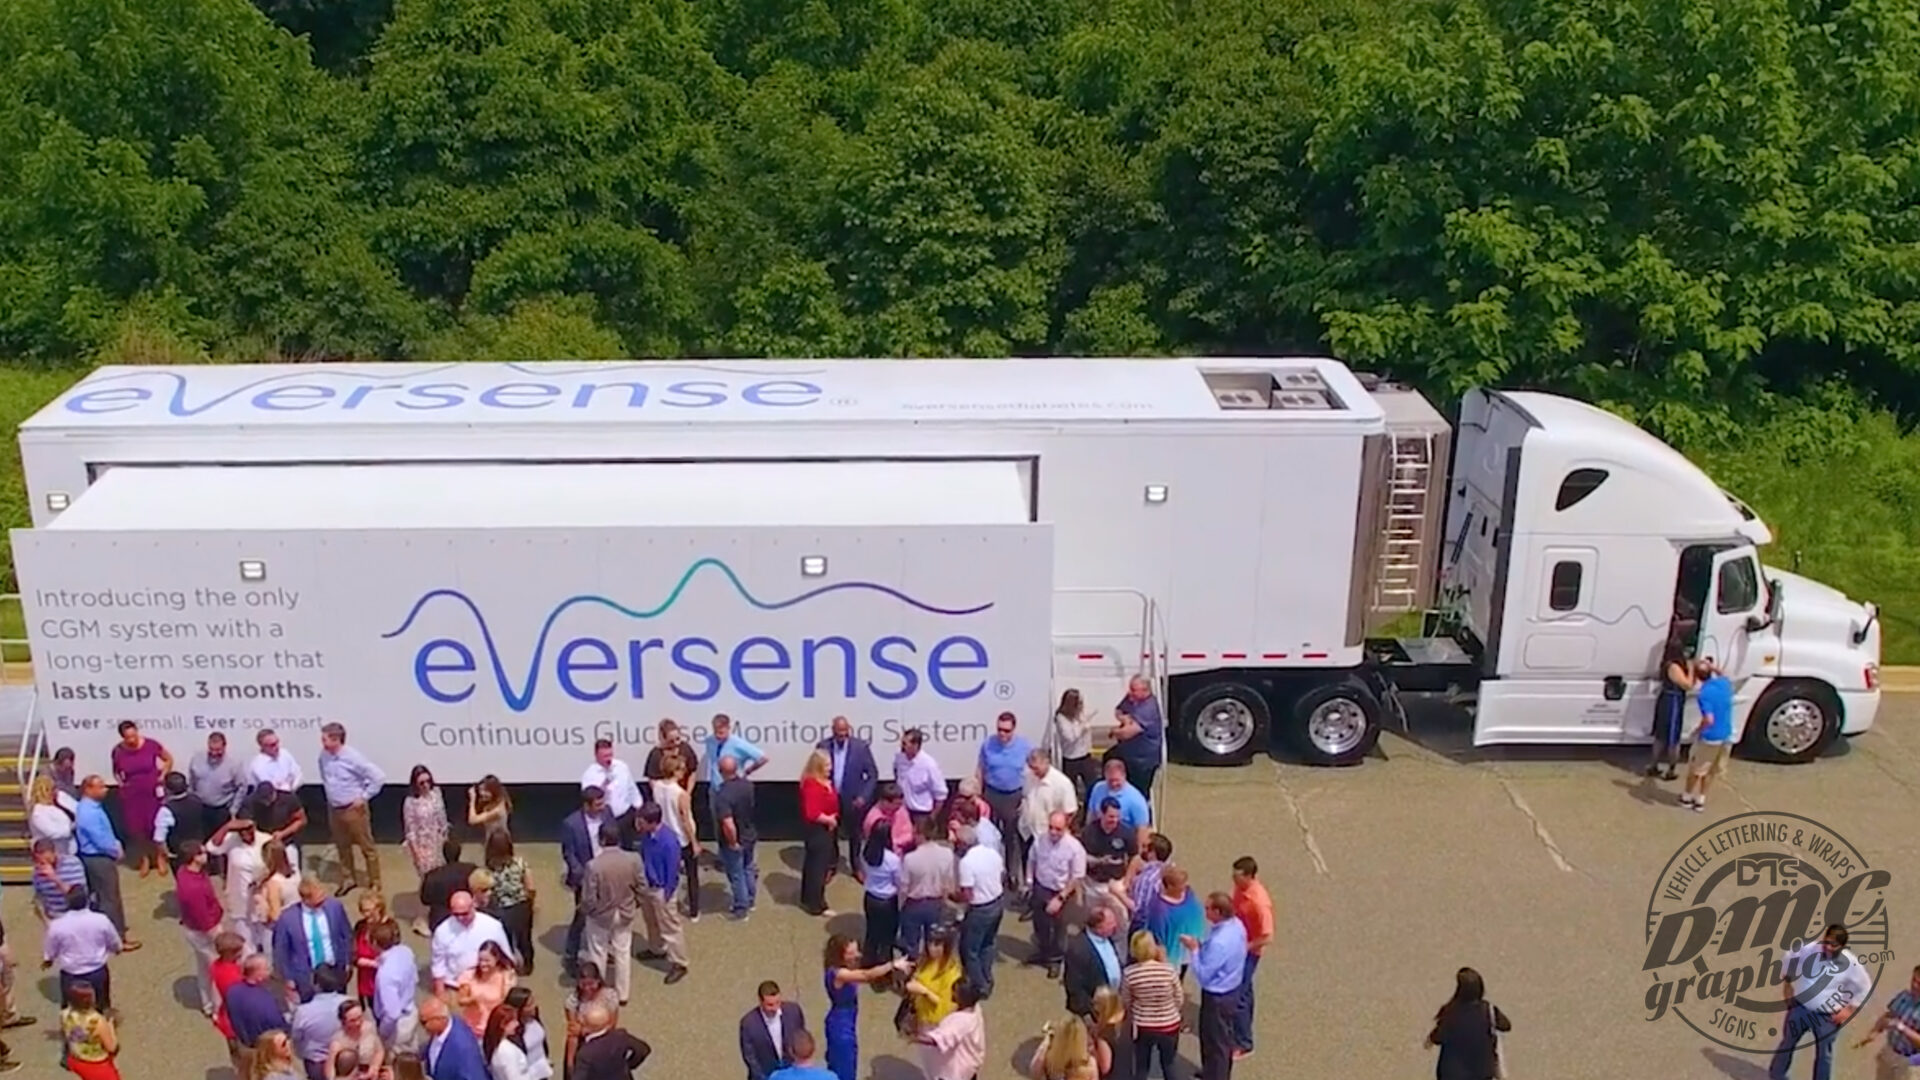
{"type": "Point", "coordinates": [1558, 689]}
{"type": "Point", "coordinates": [1736, 597]}
{"type": "Point", "coordinates": [1480, 507]}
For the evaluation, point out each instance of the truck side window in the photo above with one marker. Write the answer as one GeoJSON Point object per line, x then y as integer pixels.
{"type": "Point", "coordinates": [1563, 589]}
{"type": "Point", "coordinates": [1738, 588]}
{"type": "Point", "coordinates": [1579, 484]}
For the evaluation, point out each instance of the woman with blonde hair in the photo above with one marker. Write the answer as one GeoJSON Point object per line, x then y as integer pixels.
{"type": "Point", "coordinates": [1065, 1046]}
{"type": "Point", "coordinates": [1153, 998]}
{"type": "Point", "coordinates": [820, 813]}
{"type": "Point", "coordinates": [273, 1059]}
{"type": "Point", "coordinates": [674, 792]}
{"type": "Point", "coordinates": [366, 953]}
{"type": "Point", "coordinates": [48, 818]}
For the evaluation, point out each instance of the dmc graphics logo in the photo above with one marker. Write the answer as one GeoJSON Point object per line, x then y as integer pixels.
{"type": "Point", "coordinates": [1733, 906]}
{"type": "Point", "coordinates": [587, 669]}
{"type": "Point", "coordinates": [610, 387]}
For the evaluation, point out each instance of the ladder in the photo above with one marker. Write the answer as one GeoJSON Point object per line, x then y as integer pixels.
{"type": "Point", "coordinates": [1406, 553]}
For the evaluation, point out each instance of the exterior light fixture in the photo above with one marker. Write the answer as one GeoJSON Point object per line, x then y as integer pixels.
{"type": "Point", "coordinates": [813, 566]}
{"type": "Point", "coordinates": [58, 501]}
{"type": "Point", "coordinates": [253, 570]}
{"type": "Point", "coordinates": [1156, 493]}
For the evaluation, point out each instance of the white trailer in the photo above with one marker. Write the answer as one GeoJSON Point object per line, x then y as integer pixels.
{"type": "Point", "coordinates": [527, 552]}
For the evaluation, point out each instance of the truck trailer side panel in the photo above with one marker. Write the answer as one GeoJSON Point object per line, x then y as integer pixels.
{"type": "Point", "coordinates": [509, 649]}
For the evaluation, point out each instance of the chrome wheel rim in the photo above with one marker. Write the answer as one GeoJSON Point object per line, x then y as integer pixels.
{"type": "Point", "coordinates": [1225, 727]}
{"type": "Point", "coordinates": [1336, 727]}
{"type": "Point", "coordinates": [1795, 725]}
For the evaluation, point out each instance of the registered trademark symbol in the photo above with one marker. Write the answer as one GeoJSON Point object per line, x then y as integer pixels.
{"type": "Point", "coordinates": [1003, 690]}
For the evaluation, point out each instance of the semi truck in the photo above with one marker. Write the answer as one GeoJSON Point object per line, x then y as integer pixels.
{"type": "Point", "coordinates": [488, 567]}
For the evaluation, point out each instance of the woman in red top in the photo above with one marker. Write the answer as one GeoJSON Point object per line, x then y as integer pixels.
{"type": "Point", "coordinates": [820, 813]}
{"type": "Point", "coordinates": [225, 972]}
{"type": "Point", "coordinates": [366, 955]}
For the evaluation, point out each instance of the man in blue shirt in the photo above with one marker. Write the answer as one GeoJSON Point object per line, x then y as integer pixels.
{"type": "Point", "coordinates": [100, 853]}
{"type": "Point", "coordinates": [351, 781]}
{"type": "Point", "coordinates": [723, 743]}
{"type": "Point", "coordinates": [1139, 734]}
{"type": "Point", "coordinates": [254, 1009]}
{"type": "Point", "coordinates": [1002, 771]}
{"type": "Point", "coordinates": [660, 861]}
{"type": "Point", "coordinates": [1135, 816]}
{"type": "Point", "coordinates": [1715, 741]}
{"type": "Point", "coordinates": [1218, 964]}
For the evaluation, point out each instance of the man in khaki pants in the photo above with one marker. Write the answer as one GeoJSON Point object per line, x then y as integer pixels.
{"type": "Point", "coordinates": [611, 892]}
{"type": "Point", "coordinates": [660, 858]}
{"type": "Point", "coordinates": [351, 781]}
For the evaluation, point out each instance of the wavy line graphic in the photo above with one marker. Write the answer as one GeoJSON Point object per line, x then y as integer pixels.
{"type": "Point", "coordinates": [177, 406]}
{"type": "Point", "coordinates": [518, 698]}
{"type": "Point", "coordinates": [1631, 610]}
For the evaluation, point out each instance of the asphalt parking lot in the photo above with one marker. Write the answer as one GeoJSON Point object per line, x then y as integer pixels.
{"type": "Point", "coordinates": [1534, 866]}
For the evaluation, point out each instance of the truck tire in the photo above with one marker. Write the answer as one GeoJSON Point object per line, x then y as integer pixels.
{"type": "Point", "coordinates": [1224, 723]}
{"type": "Point", "coordinates": [1794, 722]}
{"type": "Point", "coordinates": [1336, 724]}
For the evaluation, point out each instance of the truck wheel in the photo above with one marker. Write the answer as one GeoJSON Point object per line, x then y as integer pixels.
{"type": "Point", "coordinates": [1223, 723]}
{"type": "Point", "coordinates": [1336, 724]}
{"type": "Point", "coordinates": [1793, 722]}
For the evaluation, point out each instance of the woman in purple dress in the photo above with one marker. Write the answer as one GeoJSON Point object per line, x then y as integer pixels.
{"type": "Point", "coordinates": [139, 765]}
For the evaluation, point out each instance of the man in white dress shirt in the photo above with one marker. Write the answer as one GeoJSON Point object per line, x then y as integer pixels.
{"type": "Point", "coordinates": [457, 941]}
{"type": "Point", "coordinates": [613, 776]}
{"type": "Point", "coordinates": [1046, 791]}
{"type": "Point", "coordinates": [273, 765]}
{"type": "Point", "coordinates": [919, 777]}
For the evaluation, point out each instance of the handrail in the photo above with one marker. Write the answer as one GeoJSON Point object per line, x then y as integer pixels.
{"type": "Point", "coordinates": [1152, 636]}
{"type": "Point", "coordinates": [32, 745]}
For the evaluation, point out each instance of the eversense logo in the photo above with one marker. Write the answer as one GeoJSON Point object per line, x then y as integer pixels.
{"type": "Point", "coordinates": [761, 668]}
{"type": "Point", "coordinates": [523, 389]}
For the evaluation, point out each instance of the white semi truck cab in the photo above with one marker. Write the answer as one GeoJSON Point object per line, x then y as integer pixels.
{"type": "Point", "coordinates": [488, 566]}
{"type": "Point", "coordinates": [1576, 547]}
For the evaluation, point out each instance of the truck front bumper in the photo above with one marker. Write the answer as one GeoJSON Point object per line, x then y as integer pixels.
{"type": "Point", "coordinates": [1858, 708]}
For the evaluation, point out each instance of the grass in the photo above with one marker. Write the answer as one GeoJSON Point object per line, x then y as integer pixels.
{"type": "Point", "coordinates": [1839, 485]}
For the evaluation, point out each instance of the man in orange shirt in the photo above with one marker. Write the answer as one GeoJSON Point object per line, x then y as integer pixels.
{"type": "Point", "coordinates": [1254, 908]}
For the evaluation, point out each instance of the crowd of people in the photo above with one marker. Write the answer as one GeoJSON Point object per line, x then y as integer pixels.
{"type": "Point", "coordinates": [301, 987]}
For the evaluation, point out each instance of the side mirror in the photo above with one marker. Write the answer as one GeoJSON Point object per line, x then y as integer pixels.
{"type": "Point", "coordinates": [1757, 623]}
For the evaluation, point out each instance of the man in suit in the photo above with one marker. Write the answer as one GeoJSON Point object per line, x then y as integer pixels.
{"type": "Point", "coordinates": [855, 777]}
{"type": "Point", "coordinates": [437, 886]}
{"type": "Point", "coordinates": [1093, 961]}
{"type": "Point", "coordinates": [606, 1052]}
{"type": "Point", "coordinates": [313, 935]}
{"type": "Point", "coordinates": [766, 1032]}
{"type": "Point", "coordinates": [577, 849]}
{"type": "Point", "coordinates": [453, 1053]}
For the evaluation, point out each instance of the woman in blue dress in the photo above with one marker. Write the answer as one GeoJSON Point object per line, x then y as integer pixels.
{"type": "Point", "coordinates": [843, 978]}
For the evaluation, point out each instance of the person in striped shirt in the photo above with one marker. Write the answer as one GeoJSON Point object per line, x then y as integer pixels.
{"type": "Point", "coordinates": [1154, 999]}
{"type": "Point", "coordinates": [54, 875]}
{"type": "Point", "coordinates": [1901, 1022]}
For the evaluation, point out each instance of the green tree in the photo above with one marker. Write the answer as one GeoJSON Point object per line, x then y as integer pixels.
{"type": "Point", "coordinates": [174, 153]}
{"type": "Point", "coordinates": [517, 149]}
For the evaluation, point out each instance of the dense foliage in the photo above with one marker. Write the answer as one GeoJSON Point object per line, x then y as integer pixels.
{"type": "Point", "coordinates": [1691, 210]}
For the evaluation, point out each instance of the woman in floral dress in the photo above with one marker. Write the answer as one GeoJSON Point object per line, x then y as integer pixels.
{"type": "Point", "coordinates": [424, 824]}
